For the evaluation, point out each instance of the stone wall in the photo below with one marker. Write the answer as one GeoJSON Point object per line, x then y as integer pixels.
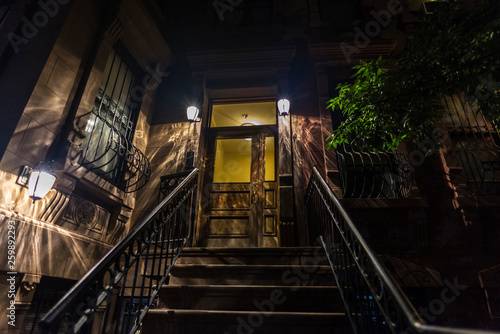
{"type": "Point", "coordinates": [83, 216]}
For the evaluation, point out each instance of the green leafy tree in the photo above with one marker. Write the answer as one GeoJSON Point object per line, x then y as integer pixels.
{"type": "Point", "coordinates": [455, 51]}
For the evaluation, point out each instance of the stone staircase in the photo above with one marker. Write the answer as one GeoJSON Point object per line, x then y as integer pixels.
{"type": "Point", "coordinates": [249, 290]}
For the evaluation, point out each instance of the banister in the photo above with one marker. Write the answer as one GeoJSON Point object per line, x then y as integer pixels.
{"type": "Point", "coordinates": [170, 222]}
{"type": "Point", "coordinates": [391, 312]}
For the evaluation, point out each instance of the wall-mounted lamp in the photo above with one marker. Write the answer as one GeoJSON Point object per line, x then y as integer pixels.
{"type": "Point", "coordinates": [38, 180]}
{"type": "Point", "coordinates": [192, 114]}
{"type": "Point", "coordinates": [284, 107]}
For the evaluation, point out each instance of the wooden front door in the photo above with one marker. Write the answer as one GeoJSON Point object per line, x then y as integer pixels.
{"type": "Point", "coordinates": [240, 200]}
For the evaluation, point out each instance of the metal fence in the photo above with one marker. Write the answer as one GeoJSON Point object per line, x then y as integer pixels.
{"type": "Point", "coordinates": [373, 301]}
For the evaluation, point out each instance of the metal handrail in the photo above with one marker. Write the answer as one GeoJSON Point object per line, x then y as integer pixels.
{"type": "Point", "coordinates": [135, 269]}
{"type": "Point", "coordinates": [374, 302]}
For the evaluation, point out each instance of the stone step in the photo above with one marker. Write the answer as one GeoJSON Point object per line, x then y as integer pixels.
{"type": "Point", "coordinates": [253, 256]}
{"type": "Point", "coordinates": [251, 297]}
{"type": "Point", "coordinates": [162, 321]}
{"type": "Point", "coordinates": [247, 290]}
{"type": "Point", "coordinates": [223, 274]}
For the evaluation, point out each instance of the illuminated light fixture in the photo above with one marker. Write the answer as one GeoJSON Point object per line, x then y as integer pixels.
{"type": "Point", "coordinates": [40, 183]}
{"type": "Point", "coordinates": [284, 107]}
{"type": "Point", "coordinates": [38, 180]}
{"type": "Point", "coordinates": [192, 114]}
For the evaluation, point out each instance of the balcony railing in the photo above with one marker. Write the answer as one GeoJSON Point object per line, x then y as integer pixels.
{"type": "Point", "coordinates": [365, 174]}
{"type": "Point", "coordinates": [373, 301]}
{"type": "Point", "coordinates": [476, 144]}
{"type": "Point", "coordinates": [115, 295]}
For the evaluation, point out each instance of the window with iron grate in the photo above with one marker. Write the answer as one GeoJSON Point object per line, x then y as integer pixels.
{"type": "Point", "coordinates": [110, 128]}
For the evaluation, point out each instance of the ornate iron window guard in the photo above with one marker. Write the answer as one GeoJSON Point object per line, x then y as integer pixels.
{"type": "Point", "coordinates": [374, 302]}
{"type": "Point", "coordinates": [131, 169]}
{"type": "Point", "coordinates": [135, 269]}
{"type": "Point", "coordinates": [366, 174]}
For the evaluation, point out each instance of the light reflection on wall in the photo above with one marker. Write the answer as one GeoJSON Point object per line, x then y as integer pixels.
{"type": "Point", "coordinates": [167, 149]}
{"type": "Point", "coordinates": [51, 250]}
{"type": "Point", "coordinates": [9, 190]}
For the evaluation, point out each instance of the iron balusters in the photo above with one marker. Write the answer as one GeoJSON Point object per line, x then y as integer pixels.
{"type": "Point", "coordinates": [115, 295]}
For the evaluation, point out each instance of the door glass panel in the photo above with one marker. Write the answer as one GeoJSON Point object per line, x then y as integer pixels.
{"type": "Point", "coordinates": [269, 163]}
{"type": "Point", "coordinates": [233, 160]}
{"type": "Point", "coordinates": [243, 114]}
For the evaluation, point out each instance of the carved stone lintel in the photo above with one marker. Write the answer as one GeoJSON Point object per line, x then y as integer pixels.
{"type": "Point", "coordinates": [86, 217]}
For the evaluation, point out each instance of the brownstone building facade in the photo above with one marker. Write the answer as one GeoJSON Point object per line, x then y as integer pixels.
{"type": "Point", "coordinates": [100, 89]}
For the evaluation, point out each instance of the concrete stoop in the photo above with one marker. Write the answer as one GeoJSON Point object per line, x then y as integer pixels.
{"type": "Point", "coordinates": [249, 290]}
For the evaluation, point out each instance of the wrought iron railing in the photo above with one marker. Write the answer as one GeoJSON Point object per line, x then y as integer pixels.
{"type": "Point", "coordinates": [169, 182]}
{"type": "Point", "coordinates": [115, 295]}
{"type": "Point", "coordinates": [365, 174]}
{"type": "Point", "coordinates": [476, 142]}
{"type": "Point", "coordinates": [373, 301]}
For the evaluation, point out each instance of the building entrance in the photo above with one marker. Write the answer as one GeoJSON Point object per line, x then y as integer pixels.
{"type": "Point", "coordinates": [240, 201]}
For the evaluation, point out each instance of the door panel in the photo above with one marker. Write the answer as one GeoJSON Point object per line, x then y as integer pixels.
{"type": "Point", "coordinates": [230, 196]}
{"type": "Point", "coordinates": [242, 206]}
{"type": "Point", "coordinates": [220, 226]}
